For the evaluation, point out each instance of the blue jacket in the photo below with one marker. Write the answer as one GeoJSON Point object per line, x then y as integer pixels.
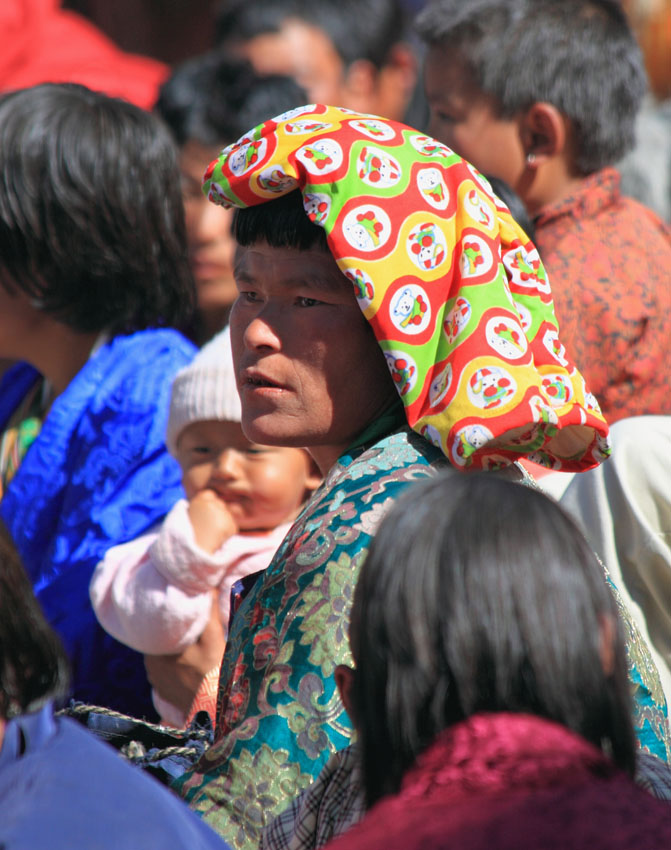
{"type": "Point", "coordinates": [98, 474]}
{"type": "Point", "coordinates": [60, 788]}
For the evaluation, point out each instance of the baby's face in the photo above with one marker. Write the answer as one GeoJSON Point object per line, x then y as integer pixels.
{"type": "Point", "coordinates": [263, 486]}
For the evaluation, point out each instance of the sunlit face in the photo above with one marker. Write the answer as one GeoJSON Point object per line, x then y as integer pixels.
{"type": "Point", "coordinates": [309, 370]}
{"type": "Point", "coordinates": [263, 486]}
{"type": "Point", "coordinates": [208, 227]}
{"type": "Point", "coordinates": [306, 54]}
{"type": "Point", "coordinates": [466, 119]}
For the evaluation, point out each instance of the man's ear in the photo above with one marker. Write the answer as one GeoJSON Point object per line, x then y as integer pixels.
{"type": "Point", "coordinates": [544, 133]}
{"type": "Point", "coordinates": [344, 677]}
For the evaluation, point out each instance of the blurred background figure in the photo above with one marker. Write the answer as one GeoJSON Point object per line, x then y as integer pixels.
{"type": "Point", "coordinates": [40, 42]}
{"type": "Point", "coordinates": [352, 53]}
{"type": "Point", "coordinates": [208, 102]}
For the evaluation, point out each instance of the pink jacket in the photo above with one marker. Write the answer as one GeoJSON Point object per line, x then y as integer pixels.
{"type": "Point", "coordinates": [154, 593]}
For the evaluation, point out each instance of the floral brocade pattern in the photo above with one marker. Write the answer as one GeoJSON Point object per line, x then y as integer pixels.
{"type": "Point", "coordinates": [279, 714]}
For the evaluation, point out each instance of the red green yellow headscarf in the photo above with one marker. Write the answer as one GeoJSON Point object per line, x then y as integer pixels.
{"type": "Point", "coordinates": [454, 290]}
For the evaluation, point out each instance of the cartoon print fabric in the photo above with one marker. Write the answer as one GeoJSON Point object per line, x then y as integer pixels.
{"type": "Point", "coordinates": [454, 290]}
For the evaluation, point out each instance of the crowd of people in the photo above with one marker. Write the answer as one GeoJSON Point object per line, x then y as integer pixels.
{"type": "Point", "coordinates": [334, 419]}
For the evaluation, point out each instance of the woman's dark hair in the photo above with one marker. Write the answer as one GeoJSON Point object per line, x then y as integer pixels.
{"type": "Point", "coordinates": [33, 665]}
{"type": "Point", "coordinates": [579, 55]}
{"type": "Point", "coordinates": [213, 99]}
{"type": "Point", "coordinates": [91, 216]}
{"type": "Point", "coordinates": [282, 223]}
{"type": "Point", "coordinates": [480, 595]}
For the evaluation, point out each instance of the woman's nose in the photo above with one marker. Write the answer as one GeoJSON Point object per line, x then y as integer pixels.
{"type": "Point", "coordinates": [207, 223]}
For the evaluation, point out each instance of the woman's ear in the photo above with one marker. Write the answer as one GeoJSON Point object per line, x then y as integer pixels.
{"type": "Point", "coordinates": [607, 643]}
{"type": "Point", "coordinates": [544, 133]}
{"type": "Point", "coordinates": [344, 677]}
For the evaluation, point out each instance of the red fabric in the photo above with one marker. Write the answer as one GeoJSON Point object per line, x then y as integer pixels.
{"type": "Point", "coordinates": [608, 259]}
{"type": "Point", "coordinates": [510, 782]}
{"type": "Point", "coordinates": [40, 43]}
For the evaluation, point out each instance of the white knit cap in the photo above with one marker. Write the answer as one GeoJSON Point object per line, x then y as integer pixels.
{"type": "Point", "coordinates": [205, 389]}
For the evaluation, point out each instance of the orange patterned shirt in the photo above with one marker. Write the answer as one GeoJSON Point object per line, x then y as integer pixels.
{"type": "Point", "coordinates": [608, 259]}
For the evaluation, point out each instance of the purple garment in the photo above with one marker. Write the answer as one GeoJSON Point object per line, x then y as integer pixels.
{"type": "Point", "coordinates": [60, 788]}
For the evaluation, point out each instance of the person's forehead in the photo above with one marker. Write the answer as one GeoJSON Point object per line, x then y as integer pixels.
{"type": "Point", "coordinates": [447, 76]}
{"type": "Point", "coordinates": [289, 267]}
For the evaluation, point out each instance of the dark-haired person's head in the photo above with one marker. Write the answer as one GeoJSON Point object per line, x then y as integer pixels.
{"type": "Point", "coordinates": [281, 223]}
{"type": "Point", "coordinates": [208, 102]}
{"type": "Point", "coordinates": [33, 666]}
{"type": "Point", "coordinates": [351, 53]}
{"type": "Point", "coordinates": [481, 595]}
{"type": "Point", "coordinates": [515, 84]}
{"type": "Point", "coordinates": [91, 219]}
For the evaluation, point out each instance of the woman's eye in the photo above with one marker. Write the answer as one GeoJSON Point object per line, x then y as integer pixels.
{"type": "Point", "coordinates": [444, 118]}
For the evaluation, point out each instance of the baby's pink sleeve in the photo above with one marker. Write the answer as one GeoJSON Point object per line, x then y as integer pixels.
{"type": "Point", "coordinates": [154, 593]}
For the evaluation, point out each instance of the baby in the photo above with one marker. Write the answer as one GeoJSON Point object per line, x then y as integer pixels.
{"type": "Point", "coordinates": [155, 593]}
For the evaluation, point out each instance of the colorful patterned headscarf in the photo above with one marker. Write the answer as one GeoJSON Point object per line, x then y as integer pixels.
{"type": "Point", "coordinates": [454, 290]}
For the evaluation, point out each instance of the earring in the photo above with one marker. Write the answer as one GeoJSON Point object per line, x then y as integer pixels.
{"type": "Point", "coordinates": [531, 158]}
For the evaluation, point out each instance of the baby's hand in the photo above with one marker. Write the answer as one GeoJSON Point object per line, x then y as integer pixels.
{"type": "Point", "coordinates": [211, 519]}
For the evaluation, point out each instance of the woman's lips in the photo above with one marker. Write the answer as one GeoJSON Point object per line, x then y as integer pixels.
{"type": "Point", "coordinates": [207, 271]}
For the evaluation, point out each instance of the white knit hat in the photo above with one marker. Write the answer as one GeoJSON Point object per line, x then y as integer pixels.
{"type": "Point", "coordinates": [205, 389]}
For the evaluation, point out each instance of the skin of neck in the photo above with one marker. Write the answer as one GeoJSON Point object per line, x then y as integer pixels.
{"type": "Point", "coordinates": [56, 350]}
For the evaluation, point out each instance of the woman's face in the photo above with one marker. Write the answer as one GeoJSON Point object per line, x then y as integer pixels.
{"type": "Point", "coordinates": [309, 370]}
{"type": "Point", "coordinates": [208, 228]}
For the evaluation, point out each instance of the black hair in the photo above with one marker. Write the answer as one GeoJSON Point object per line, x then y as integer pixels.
{"type": "Point", "coordinates": [480, 595]}
{"type": "Point", "coordinates": [358, 29]}
{"type": "Point", "coordinates": [579, 55]}
{"type": "Point", "coordinates": [91, 216]}
{"type": "Point", "coordinates": [214, 99]}
{"type": "Point", "coordinates": [514, 203]}
{"type": "Point", "coordinates": [282, 223]}
{"type": "Point", "coordinates": [33, 664]}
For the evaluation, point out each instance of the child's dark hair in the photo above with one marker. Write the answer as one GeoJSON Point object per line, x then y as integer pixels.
{"type": "Point", "coordinates": [282, 223]}
{"type": "Point", "coordinates": [481, 595]}
{"type": "Point", "coordinates": [579, 55]}
{"type": "Point", "coordinates": [213, 99]}
{"type": "Point", "coordinates": [358, 29]}
{"type": "Point", "coordinates": [91, 216]}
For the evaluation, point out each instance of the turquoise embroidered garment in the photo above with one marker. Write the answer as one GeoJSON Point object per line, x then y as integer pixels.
{"type": "Point", "coordinates": [279, 714]}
